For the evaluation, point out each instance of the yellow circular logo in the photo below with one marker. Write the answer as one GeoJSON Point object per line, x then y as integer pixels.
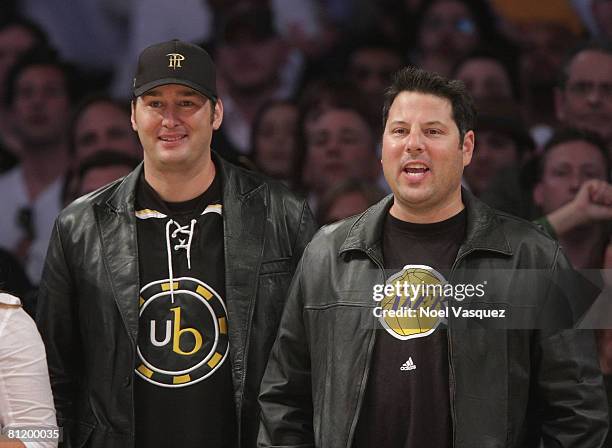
{"type": "Point", "coordinates": [417, 305]}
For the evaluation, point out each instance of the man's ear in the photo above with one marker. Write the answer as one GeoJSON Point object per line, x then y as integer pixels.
{"type": "Point", "coordinates": [467, 147]}
{"type": "Point", "coordinates": [133, 114]}
{"type": "Point", "coordinates": [218, 114]}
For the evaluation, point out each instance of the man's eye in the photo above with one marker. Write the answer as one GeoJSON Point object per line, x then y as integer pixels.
{"type": "Point", "coordinates": [155, 104]}
{"type": "Point", "coordinates": [186, 103]}
{"type": "Point", "coordinates": [433, 131]}
{"type": "Point", "coordinates": [399, 131]}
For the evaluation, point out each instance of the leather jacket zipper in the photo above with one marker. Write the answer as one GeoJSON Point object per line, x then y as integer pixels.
{"type": "Point", "coordinates": [366, 374]}
{"type": "Point", "coordinates": [451, 370]}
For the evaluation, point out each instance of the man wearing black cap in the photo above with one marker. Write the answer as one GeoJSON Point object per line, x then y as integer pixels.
{"type": "Point", "coordinates": [162, 291]}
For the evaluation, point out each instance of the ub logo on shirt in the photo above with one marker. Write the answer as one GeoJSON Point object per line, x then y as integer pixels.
{"type": "Point", "coordinates": [417, 306]}
{"type": "Point", "coordinates": [187, 338]}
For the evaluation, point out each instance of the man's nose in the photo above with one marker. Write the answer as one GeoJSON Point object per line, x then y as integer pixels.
{"type": "Point", "coordinates": [170, 117]}
{"type": "Point", "coordinates": [415, 141]}
{"type": "Point", "coordinates": [594, 97]}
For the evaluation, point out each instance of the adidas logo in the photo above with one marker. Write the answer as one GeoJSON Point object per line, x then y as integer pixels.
{"type": "Point", "coordinates": [408, 365]}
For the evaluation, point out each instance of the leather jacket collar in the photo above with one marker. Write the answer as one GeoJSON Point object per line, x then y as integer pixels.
{"type": "Point", "coordinates": [234, 187]}
{"type": "Point", "coordinates": [484, 231]}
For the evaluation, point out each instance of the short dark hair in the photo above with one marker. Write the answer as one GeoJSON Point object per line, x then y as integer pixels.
{"type": "Point", "coordinates": [412, 79]}
{"type": "Point", "coordinates": [39, 56]}
{"type": "Point", "coordinates": [596, 45]}
{"type": "Point", "coordinates": [566, 135]}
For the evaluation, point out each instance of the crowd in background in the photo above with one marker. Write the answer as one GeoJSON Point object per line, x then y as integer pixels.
{"type": "Point", "coordinates": [302, 84]}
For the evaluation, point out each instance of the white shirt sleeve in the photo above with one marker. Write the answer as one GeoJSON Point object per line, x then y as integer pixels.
{"type": "Point", "coordinates": [25, 392]}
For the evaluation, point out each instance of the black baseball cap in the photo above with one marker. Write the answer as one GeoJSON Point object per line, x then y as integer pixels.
{"type": "Point", "coordinates": [176, 62]}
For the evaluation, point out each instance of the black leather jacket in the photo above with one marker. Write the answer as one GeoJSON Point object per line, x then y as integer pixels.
{"type": "Point", "coordinates": [88, 301]}
{"type": "Point", "coordinates": [508, 388]}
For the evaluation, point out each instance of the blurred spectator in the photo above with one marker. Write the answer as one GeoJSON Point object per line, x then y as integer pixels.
{"type": "Point", "coordinates": [576, 194]}
{"type": "Point", "coordinates": [584, 93]}
{"type": "Point", "coordinates": [250, 58]}
{"type": "Point", "coordinates": [573, 175]}
{"type": "Point", "coordinates": [99, 124]}
{"type": "Point", "coordinates": [17, 36]}
{"type": "Point", "coordinates": [347, 199]}
{"type": "Point", "coordinates": [25, 392]}
{"type": "Point", "coordinates": [98, 170]}
{"type": "Point", "coordinates": [487, 76]}
{"type": "Point", "coordinates": [370, 65]}
{"type": "Point", "coordinates": [502, 143]}
{"type": "Point", "coordinates": [448, 30]}
{"type": "Point", "coordinates": [274, 139]}
{"type": "Point", "coordinates": [544, 46]}
{"type": "Point", "coordinates": [39, 98]}
{"type": "Point", "coordinates": [321, 94]}
{"type": "Point", "coordinates": [340, 145]}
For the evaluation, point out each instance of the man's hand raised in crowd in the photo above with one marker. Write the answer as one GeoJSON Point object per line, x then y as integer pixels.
{"type": "Point", "coordinates": [593, 203]}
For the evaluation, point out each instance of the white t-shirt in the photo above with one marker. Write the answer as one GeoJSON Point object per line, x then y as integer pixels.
{"type": "Point", "coordinates": [45, 209]}
{"type": "Point", "coordinates": [26, 401]}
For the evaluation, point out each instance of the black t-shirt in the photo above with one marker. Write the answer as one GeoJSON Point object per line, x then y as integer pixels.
{"type": "Point", "coordinates": [183, 390]}
{"type": "Point", "coordinates": [407, 403]}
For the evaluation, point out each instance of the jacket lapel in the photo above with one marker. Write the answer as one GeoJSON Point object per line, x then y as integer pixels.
{"type": "Point", "coordinates": [244, 218]}
{"type": "Point", "coordinates": [117, 225]}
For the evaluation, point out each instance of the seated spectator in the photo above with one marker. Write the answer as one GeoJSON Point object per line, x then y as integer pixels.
{"type": "Point", "coordinates": [99, 124]}
{"type": "Point", "coordinates": [573, 190]}
{"type": "Point", "coordinates": [448, 30]}
{"type": "Point", "coordinates": [98, 170]}
{"type": "Point", "coordinates": [25, 392]}
{"type": "Point", "coordinates": [583, 98]}
{"type": "Point", "coordinates": [17, 37]}
{"type": "Point", "coordinates": [502, 142]}
{"type": "Point", "coordinates": [320, 94]}
{"type": "Point", "coordinates": [544, 46]}
{"type": "Point", "coordinates": [39, 96]}
{"type": "Point", "coordinates": [250, 57]}
{"type": "Point", "coordinates": [370, 65]}
{"type": "Point", "coordinates": [487, 76]}
{"type": "Point", "coordinates": [347, 199]}
{"type": "Point", "coordinates": [274, 140]}
{"type": "Point", "coordinates": [340, 145]}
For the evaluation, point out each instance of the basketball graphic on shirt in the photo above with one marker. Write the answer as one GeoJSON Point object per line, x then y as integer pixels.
{"type": "Point", "coordinates": [186, 334]}
{"type": "Point", "coordinates": [417, 306]}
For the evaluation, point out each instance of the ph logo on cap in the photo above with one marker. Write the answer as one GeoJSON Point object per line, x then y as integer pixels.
{"type": "Point", "coordinates": [175, 60]}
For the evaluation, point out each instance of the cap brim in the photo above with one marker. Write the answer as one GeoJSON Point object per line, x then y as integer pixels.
{"type": "Point", "coordinates": [165, 81]}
